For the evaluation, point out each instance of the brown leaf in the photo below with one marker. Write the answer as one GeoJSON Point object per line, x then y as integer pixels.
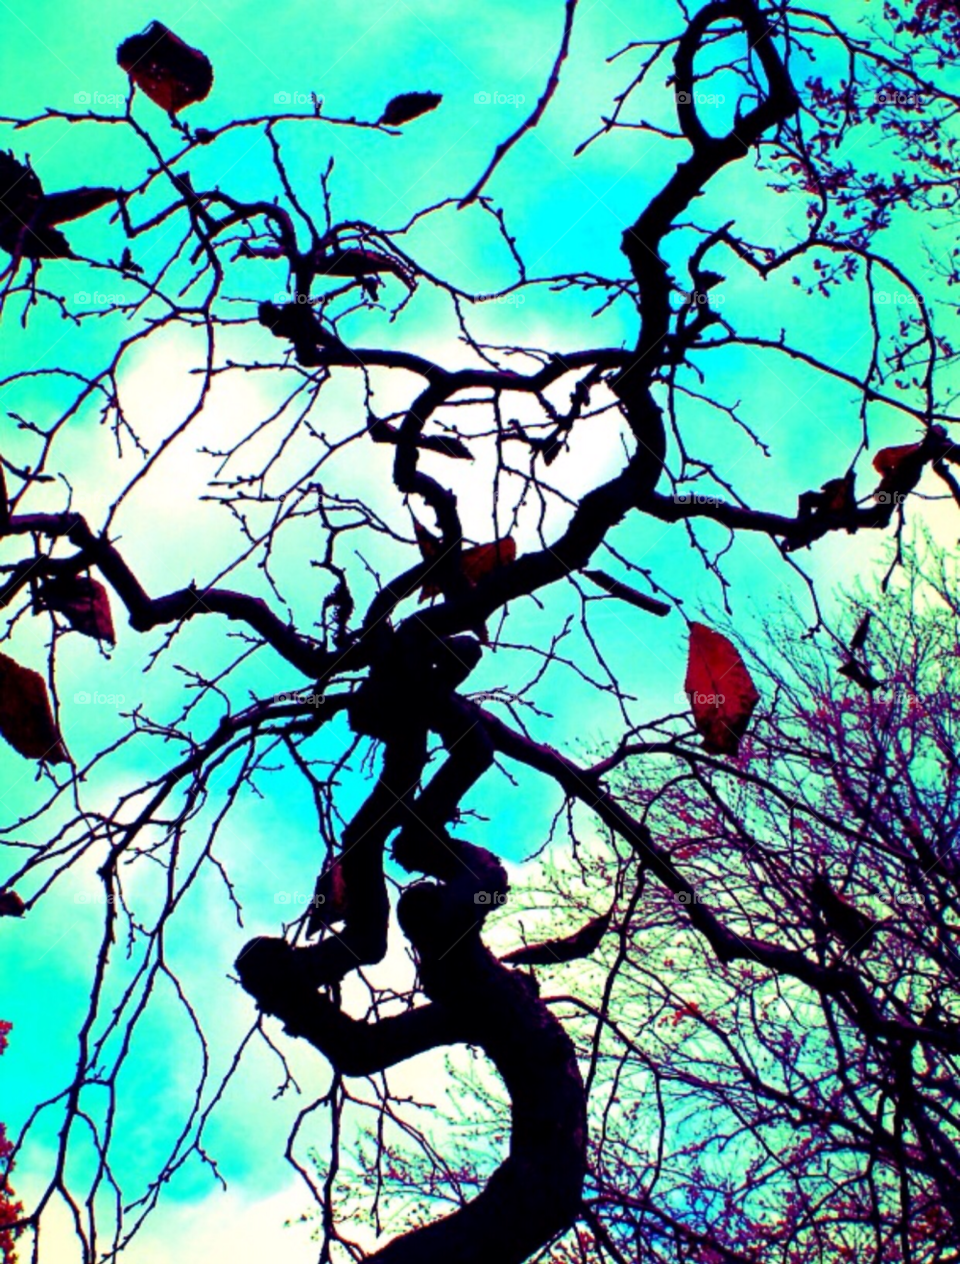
{"type": "Point", "coordinates": [26, 720]}
{"type": "Point", "coordinates": [722, 693]}
{"type": "Point", "coordinates": [83, 602]}
{"type": "Point", "coordinates": [408, 106]}
{"type": "Point", "coordinates": [11, 905]}
{"type": "Point", "coordinates": [170, 72]}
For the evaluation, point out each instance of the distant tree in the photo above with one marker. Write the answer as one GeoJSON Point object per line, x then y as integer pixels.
{"type": "Point", "coordinates": [806, 1112]}
{"type": "Point", "coordinates": [10, 1209]}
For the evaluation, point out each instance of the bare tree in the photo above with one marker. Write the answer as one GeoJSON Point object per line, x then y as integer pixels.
{"type": "Point", "coordinates": [738, 1112]}
{"type": "Point", "coordinates": [396, 674]}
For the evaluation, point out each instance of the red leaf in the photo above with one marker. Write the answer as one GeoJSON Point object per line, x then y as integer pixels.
{"type": "Point", "coordinates": [169, 71]}
{"type": "Point", "coordinates": [83, 602]}
{"type": "Point", "coordinates": [474, 563]}
{"type": "Point", "coordinates": [26, 720]}
{"type": "Point", "coordinates": [11, 905]}
{"type": "Point", "coordinates": [900, 467]}
{"type": "Point", "coordinates": [888, 459]}
{"type": "Point", "coordinates": [485, 558]}
{"type": "Point", "coordinates": [722, 694]}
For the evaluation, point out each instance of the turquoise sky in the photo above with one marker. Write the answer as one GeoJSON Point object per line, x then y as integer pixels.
{"type": "Point", "coordinates": [567, 215]}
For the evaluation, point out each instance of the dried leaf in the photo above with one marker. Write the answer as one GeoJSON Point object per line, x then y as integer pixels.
{"type": "Point", "coordinates": [26, 720]}
{"type": "Point", "coordinates": [474, 563]}
{"type": "Point", "coordinates": [83, 602]}
{"type": "Point", "coordinates": [408, 106]}
{"type": "Point", "coordinates": [900, 468]}
{"type": "Point", "coordinates": [722, 693]}
{"type": "Point", "coordinates": [11, 905]}
{"type": "Point", "coordinates": [485, 558]}
{"type": "Point", "coordinates": [170, 72]}
{"type": "Point", "coordinates": [838, 495]}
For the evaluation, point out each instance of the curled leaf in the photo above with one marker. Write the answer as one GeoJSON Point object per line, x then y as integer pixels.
{"type": "Point", "coordinates": [170, 72]}
{"type": "Point", "coordinates": [721, 691]}
{"type": "Point", "coordinates": [26, 720]}
{"type": "Point", "coordinates": [408, 106]}
{"type": "Point", "coordinates": [83, 602]}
